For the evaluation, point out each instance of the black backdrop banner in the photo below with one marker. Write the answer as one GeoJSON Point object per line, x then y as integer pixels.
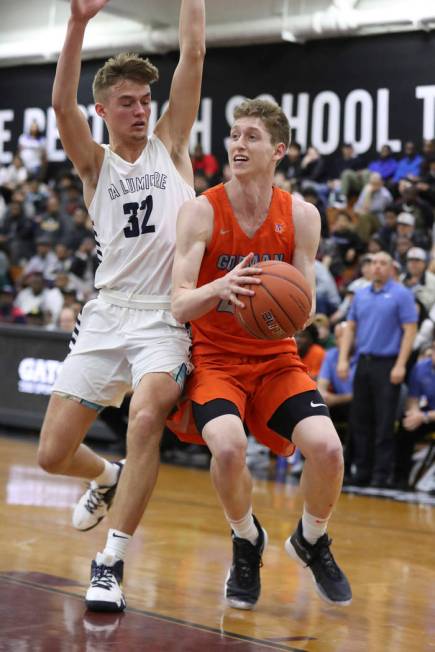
{"type": "Point", "coordinates": [369, 91]}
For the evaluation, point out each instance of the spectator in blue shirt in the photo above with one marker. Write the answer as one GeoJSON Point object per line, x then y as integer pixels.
{"type": "Point", "coordinates": [382, 323]}
{"type": "Point", "coordinates": [337, 392]}
{"type": "Point", "coordinates": [419, 418]}
{"type": "Point", "coordinates": [410, 165]}
{"type": "Point", "coordinates": [386, 164]}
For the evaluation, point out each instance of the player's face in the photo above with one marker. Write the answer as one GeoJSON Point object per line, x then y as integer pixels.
{"type": "Point", "coordinates": [127, 110]}
{"type": "Point", "coordinates": [250, 150]}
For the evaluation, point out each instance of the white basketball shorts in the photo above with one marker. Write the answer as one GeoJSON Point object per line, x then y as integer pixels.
{"type": "Point", "coordinates": [113, 347]}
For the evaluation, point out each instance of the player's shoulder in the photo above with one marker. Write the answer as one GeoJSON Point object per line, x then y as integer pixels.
{"type": "Point", "coordinates": [196, 217]}
{"type": "Point", "coordinates": [303, 209]}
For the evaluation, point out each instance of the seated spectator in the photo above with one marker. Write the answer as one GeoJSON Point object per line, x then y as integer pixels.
{"type": "Point", "coordinates": [344, 245]}
{"type": "Point", "coordinates": [310, 352]}
{"type": "Point", "coordinates": [32, 151]}
{"type": "Point", "coordinates": [406, 226]}
{"type": "Point", "coordinates": [410, 202]}
{"type": "Point", "coordinates": [12, 177]}
{"type": "Point", "coordinates": [374, 245]}
{"type": "Point", "coordinates": [326, 339]}
{"type": "Point", "coordinates": [79, 229]}
{"type": "Point", "coordinates": [44, 261]}
{"type": "Point", "coordinates": [350, 172]}
{"type": "Point", "coordinates": [327, 295]}
{"type": "Point", "coordinates": [66, 320]}
{"type": "Point", "coordinates": [207, 164]}
{"type": "Point", "coordinates": [337, 392]}
{"type": "Point", "coordinates": [388, 230]}
{"type": "Point", "coordinates": [418, 278]}
{"type": "Point", "coordinates": [36, 297]}
{"type": "Point", "coordinates": [291, 164]}
{"type": "Point", "coordinates": [410, 165]}
{"type": "Point", "coordinates": [419, 417]}
{"type": "Point", "coordinates": [370, 206]}
{"type": "Point", "coordinates": [63, 258]}
{"type": "Point", "coordinates": [10, 314]}
{"type": "Point", "coordinates": [401, 247]}
{"type": "Point", "coordinates": [428, 151]}
{"type": "Point", "coordinates": [385, 165]}
{"type": "Point", "coordinates": [314, 173]}
{"type": "Point", "coordinates": [310, 195]}
{"type": "Point", "coordinates": [35, 196]}
{"type": "Point", "coordinates": [52, 223]}
{"type": "Point", "coordinates": [17, 234]}
{"type": "Point", "coordinates": [426, 185]}
{"type": "Point", "coordinates": [425, 334]}
{"type": "Point", "coordinates": [362, 281]}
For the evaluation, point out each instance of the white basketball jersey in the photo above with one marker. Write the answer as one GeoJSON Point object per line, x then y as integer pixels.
{"type": "Point", "coordinates": [134, 211]}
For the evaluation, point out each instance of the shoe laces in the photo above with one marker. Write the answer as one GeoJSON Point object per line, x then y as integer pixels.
{"type": "Point", "coordinates": [322, 551]}
{"type": "Point", "coordinates": [248, 561]}
{"type": "Point", "coordinates": [95, 499]}
{"type": "Point", "coordinates": [103, 577]}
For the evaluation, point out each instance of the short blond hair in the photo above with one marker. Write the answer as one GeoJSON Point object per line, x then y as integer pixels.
{"type": "Point", "coordinates": [272, 116]}
{"type": "Point", "coordinates": [126, 65]}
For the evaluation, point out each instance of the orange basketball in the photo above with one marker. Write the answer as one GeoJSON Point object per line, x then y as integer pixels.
{"type": "Point", "coordinates": [281, 304]}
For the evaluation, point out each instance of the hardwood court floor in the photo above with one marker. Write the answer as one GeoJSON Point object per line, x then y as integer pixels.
{"type": "Point", "coordinates": [177, 566]}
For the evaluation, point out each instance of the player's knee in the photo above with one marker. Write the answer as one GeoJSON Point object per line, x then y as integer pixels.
{"type": "Point", "coordinates": [328, 455]}
{"type": "Point", "coordinates": [52, 461]}
{"type": "Point", "coordinates": [231, 455]}
{"type": "Point", "coordinates": [144, 424]}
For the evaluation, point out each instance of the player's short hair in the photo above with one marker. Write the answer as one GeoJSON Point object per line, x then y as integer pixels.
{"type": "Point", "coordinates": [272, 116]}
{"type": "Point", "coordinates": [125, 65]}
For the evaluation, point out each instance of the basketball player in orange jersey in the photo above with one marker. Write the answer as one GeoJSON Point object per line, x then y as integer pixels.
{"type": "Point", "coordinates": [222, 237]}
{"type": "Point", "coordinates": [127, 338]}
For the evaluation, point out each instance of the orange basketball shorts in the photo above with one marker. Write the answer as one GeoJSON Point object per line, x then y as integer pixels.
{"type": "Point", "coordinates": [257, 386]}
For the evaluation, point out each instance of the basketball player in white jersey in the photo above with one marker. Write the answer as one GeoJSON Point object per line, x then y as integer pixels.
{"type": "Point", "coordinates": [127, 338]}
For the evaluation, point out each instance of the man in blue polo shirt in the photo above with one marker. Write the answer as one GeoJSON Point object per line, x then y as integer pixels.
{"type": "Point", "coordinates": [419, 418]}
{"type": "Point", "coordinates": [382, 322]}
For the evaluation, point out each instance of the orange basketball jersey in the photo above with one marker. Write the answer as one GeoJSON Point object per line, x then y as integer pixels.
{"type": "Point", "coordinates": [219, 331]}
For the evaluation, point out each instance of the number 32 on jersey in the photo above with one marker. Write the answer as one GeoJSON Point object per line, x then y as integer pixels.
{"type": "Point", "coordinates": [138, 223]}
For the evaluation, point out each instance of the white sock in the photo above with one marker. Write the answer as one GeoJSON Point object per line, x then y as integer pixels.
{"type": "Point", "coordinates": [313, 527]}
{"type": "Point", "coordinates": [245, 528]}
{"type": "Point", "coordinates": [110, 474]}
{"type": "Point", "coordinates": [116, 544]}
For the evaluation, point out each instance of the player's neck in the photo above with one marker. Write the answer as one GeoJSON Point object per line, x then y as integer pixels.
{"type": "Point", "coordinates": [250, 197]}
{"type": "Point", "coordinates": [129, 151]}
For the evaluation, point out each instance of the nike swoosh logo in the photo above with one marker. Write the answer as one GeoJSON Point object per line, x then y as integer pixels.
{"type": "Point", "coordinates": [118, 536]}
{"type": "Point", "coordinates": [312, 405]}
{"type": "Point", "coordinates": [224, 231]}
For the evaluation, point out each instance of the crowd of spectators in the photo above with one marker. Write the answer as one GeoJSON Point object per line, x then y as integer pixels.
{"type": "Point", "coordinates": [48, 256]}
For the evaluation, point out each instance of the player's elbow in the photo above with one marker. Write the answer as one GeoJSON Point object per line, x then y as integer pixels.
{"type": "Point", "coordinates": [177, 309]}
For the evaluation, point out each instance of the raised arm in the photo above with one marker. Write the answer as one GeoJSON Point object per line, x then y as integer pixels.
{"type": "Point", "coordinates": [306, 220]}
{"type": "Point", "coordinates": [74, 130]}
{"type": "Point", "coordinates": [175, 125]}
{"type": "Point", "coordinates": [194, 231]}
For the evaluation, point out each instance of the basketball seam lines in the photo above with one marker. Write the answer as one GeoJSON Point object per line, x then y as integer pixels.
{"type": "Point", "coordinates": [284, 311]}
{"type": "Point", "coordinates": [285, 278]}
{"type": "Point", "coordinates": [255, 317]}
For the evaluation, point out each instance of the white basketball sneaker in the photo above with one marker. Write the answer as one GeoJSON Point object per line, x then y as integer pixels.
{"type": "Point", "coordinates": [95, 503]}
{"type": "Point", "coordinates": [104, 592]}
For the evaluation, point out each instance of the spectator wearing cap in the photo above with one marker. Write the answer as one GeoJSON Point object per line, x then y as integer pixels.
{"type": "Point", "coordinates": [370, 206]}
{"type": "Point", "coordinates": [9, 313]}
{"type": "Point", "coordinates": [409, 165]}
{"type": "Point", "coordinates": [401, 247]}
{"type": "Point", "coordinates": [382, 324]}
{"type": "Point", "coordinates": [419, 418]}
{"type": "Point", "coordinates": [385, 165]}
{"type": "Point", "coordinates": [36, 297]}
{"type": "Point", "coordinates": [418, 278]}
{"type": "Point", "coordinates": [44, 261]}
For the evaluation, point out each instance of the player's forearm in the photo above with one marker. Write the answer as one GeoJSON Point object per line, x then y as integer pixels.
{"type": "Point", "coordinates": [192, 27]}
{"type": "Point", "coordinates": [346, 343]}
{"type": "Point", "coordinates": [190, 304]}
{"type": "Point", "coordinates": [67, 77]}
